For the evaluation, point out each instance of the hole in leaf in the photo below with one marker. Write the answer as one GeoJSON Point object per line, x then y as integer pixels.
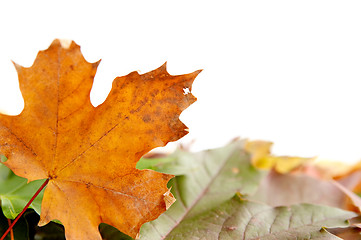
{"type": "Point", "coordinates": [186, 91]}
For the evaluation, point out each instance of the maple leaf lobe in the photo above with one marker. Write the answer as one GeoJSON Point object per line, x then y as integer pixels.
{"type": "Point", "coordinates": [89, 153]}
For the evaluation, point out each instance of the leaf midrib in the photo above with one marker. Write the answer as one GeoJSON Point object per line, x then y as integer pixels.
{"type": "Point", "coordinates": [57, 111]}
{"type": "Point", "coordinates": [203, 193]}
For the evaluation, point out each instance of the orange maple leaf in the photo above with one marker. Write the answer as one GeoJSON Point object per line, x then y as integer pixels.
{"type": "Point", "coordinates": [90, 153]}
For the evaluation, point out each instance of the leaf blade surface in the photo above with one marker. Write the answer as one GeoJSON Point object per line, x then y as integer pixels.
{"type": "Point", "coordinates": [210, 178]}
{"type": "Point", "coordinates": [243, 219]}
{"type": "Point", "coordinates": [90, 153]}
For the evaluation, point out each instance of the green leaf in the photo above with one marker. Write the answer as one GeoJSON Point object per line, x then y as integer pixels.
{"type": "Point", "coordinates": [243, 219]}
{"type": "Point", "coordinates": [168, 164]}
{"type": "Point", "coordinates": [3, 158]}
{"type": "Point", "coordinates": [15, 193]}
{"type": "Point", "coordinates": [20, 229]}
{"type": "Point", "coordinates": [209, 178]}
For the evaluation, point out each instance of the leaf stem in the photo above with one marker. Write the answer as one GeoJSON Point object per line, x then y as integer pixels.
{"type": "Point", "coordinates": [26, 207]}
{"type": "Point", "coordinates": [11, 232]}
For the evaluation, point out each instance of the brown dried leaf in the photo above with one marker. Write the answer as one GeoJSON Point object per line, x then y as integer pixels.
{"type": "Point", "coordinates": [90, 153]}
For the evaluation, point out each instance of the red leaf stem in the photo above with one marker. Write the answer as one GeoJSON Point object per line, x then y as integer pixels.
{"type": "Point", "coordinates": [26, 207]}
{"type": "Point", "coordinates": [11, 232]}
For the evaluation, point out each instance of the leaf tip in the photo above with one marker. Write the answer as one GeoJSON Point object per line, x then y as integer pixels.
{"type": "Point", "coordinates": [96, 64]}
{"type": "Point", "coordinates": [164, 66]}
{"type": "Point", "coordinates": [18, 67]}
{"type": "Point", "coordinates": [65, 43]}
{"type": "Point", "coordinates": [197, 71]}
{"type": "Point", "coordinates": [191, 77]}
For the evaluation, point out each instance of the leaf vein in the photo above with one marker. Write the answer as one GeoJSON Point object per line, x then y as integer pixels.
{"type": "Point", "coordinates": [205, 190]}
{"type": "Point", "coordinates": [92, 145]}
{"type": "Point", "coordinates": [21, 141]}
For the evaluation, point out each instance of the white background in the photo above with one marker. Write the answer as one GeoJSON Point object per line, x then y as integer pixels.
{"type": "Point", "coordinates": [286, 71]}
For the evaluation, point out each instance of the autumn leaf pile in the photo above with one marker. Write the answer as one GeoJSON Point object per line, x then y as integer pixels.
{"type": "Point", "coordinates": [100, 187]}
